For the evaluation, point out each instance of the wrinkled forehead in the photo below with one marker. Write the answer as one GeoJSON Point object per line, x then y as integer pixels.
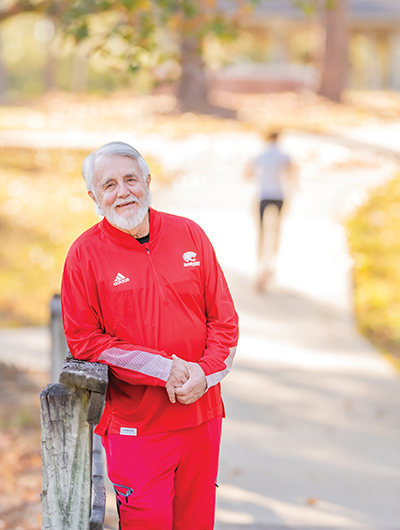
{"type": "Point", "coordinates": [109, 166]}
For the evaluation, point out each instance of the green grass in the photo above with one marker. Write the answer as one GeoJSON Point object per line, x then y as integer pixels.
{"type": "Point", "coordinates": [374, 238]}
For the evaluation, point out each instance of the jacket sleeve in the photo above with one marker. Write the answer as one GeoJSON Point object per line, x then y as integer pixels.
{"type": "Point", "coordinates": [88, 340]}
{"type": "Point", "coordinates": [222, 321]}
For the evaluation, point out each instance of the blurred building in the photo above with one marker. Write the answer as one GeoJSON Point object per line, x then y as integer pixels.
{"type": "Point", "coordinates": [284, 48]}
{"type": "Point", "coordinates": [279, 47]}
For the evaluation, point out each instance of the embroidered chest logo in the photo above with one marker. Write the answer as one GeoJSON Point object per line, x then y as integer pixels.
{"type": "Point", "coordinates": [120, 278]}
{"type": "Point", "coordinates": [189, 259]}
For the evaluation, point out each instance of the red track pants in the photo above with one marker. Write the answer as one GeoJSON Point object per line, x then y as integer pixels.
{"type": "Point", "coordinates": [165, 481]}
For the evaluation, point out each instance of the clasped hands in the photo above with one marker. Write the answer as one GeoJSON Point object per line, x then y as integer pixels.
{"type": "Point", "coordinates": [186, 382]}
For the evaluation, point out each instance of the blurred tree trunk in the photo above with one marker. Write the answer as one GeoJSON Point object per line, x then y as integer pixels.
{"type": "Point", "coordinates": [3, 76]}
{"type": "Point", "coordinates": [336, 61]}
{"type": "Point", "coordinates": [193, 86]}
{"type": "Point", "coordinates": [50, 70]}
{"type": "Point", "coordinates": [193, 89]}
{"type": "Point", "coordinates": [80, 70]}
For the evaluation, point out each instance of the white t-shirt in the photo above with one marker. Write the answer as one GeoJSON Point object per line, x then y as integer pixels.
{"type": "Point", "coordinates": [270, 168]}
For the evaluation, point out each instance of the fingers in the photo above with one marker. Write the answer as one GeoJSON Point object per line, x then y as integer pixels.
{"type": "Point", "coordinates": [178, 376]}
{"type": "Point", "coordinates": [179, 372]}
{"type": "Point", "coordinates": [189, 396]}
{"type": "Point", "coordinates": [186, 382]}
{"type": "Point", "coordinates": [170, 389]}
{"type": "Point", "coordinates": [194, 387]}
{"type": "Point", "coordinates": [171, 392]}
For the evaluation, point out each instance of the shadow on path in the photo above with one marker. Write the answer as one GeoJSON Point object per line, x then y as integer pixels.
{"type": "Point", "coordinates": [312, 419]}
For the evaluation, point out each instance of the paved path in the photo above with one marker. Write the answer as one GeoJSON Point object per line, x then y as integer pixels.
{"type": "Point", "coordinates": [313, 429]}
{"type": "Point", "coordinates": [312, 434]}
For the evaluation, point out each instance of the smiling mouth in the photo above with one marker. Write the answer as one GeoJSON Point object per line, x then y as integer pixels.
{"type": "Point", "coordinates": [125, 204]}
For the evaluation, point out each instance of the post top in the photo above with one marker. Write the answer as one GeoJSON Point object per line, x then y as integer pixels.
{"type": "Point", "coordinates": [84, 374]}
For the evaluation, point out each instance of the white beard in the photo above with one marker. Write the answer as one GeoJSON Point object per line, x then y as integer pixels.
{"type": "Point", "coordinates": [131, 220]}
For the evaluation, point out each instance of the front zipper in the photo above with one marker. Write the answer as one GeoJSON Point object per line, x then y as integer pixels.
{"type": "Point", "coordinates": [160, 287]}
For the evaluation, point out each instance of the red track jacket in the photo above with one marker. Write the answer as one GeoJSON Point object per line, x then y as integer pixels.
{"type": "Point", "coordinates": [131, 306]}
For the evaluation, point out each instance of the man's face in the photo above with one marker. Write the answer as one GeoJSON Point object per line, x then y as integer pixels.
{"type": "Point", "coordinates": [120, 192]}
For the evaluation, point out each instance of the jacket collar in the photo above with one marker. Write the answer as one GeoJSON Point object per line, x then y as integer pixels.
{"type": "Point", "coordinates": [126, 240]}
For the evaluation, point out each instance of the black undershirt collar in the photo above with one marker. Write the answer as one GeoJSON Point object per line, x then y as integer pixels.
{"type": "Point", "coordinates": [144, 239]}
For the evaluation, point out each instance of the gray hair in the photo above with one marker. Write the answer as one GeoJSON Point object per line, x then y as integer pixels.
{"type": "Point", "coordinates": [111, 149]}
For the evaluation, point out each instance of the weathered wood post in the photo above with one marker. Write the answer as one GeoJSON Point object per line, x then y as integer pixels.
{"type": "Point", "coordinates": [59, 346]}
{"type": "Point", "coordinates": [73, 496]}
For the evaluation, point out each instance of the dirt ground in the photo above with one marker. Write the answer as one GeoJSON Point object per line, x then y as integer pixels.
{"type": "Point", "coordinates": [20, 462]}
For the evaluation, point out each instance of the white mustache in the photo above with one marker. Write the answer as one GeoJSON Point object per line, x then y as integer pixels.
{"type": "Point", "coordinates": [121, 202]}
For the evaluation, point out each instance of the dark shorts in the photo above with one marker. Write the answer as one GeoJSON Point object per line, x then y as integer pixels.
{"type": "Point", "coordinates": [266, 202]}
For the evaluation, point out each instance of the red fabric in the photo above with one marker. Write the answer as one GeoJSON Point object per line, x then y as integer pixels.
{"type": "Point", "coordinates": [132, 306]}
{"type": "Point", "coordinates": [166, 481]}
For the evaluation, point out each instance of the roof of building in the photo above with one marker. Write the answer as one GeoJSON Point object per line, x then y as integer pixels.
{"type": "Point", "coordinates": [359, 9]}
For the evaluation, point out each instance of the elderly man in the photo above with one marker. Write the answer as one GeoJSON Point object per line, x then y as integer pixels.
{"type": "Point", "coordinates": [143, 293]}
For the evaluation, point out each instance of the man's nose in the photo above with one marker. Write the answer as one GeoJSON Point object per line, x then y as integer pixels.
{"type": "Point", "coordinates": [123, 190]}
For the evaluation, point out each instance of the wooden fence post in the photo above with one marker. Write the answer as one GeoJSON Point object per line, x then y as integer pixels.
{"type": "Point", "coordinates": [73, 496]}
{"type": "Point", "coordinates": [59, 346]}
{"type": "Point", "coordinates": [96, 521]}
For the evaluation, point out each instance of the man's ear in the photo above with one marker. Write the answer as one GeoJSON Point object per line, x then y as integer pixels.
{"type": "Point", "coordinates": [98, 209]}
{"type": "Point", "coordinates": [148, 179]}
